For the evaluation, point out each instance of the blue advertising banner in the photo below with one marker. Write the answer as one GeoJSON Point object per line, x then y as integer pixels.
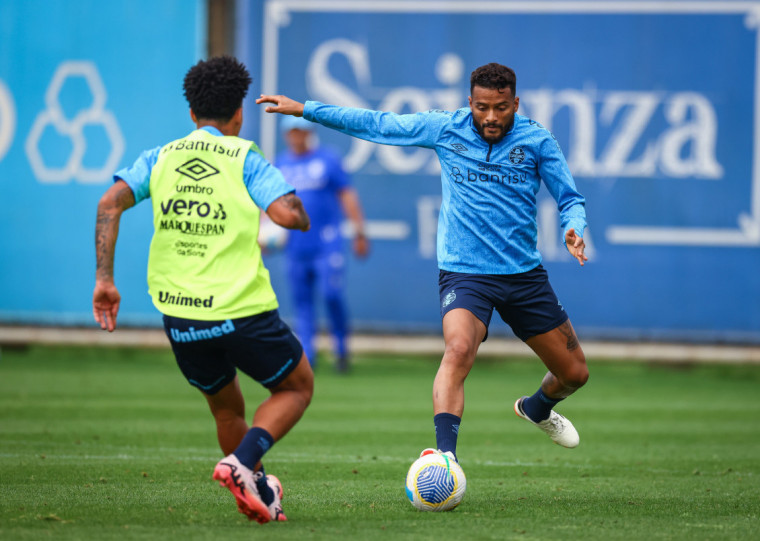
{"type": "Point", "coordinates": [85, 86]}
{"type": "Point", "coordinates": [655, 105]}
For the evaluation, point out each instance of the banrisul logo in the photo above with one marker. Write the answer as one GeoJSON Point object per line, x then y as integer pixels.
{"type": "Point", "coordinates": [196, 169]}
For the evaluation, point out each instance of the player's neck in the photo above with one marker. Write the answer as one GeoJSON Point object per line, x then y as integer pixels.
{"type": "Point", "coordinates": [227, 128]}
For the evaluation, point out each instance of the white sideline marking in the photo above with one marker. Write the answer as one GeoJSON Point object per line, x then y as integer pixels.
{"type": "Point", "coordinates": [399, 344]}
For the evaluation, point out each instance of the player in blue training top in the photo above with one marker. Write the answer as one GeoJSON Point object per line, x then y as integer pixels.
{"type": "Point", "coordinates": [492, 163]}
{"type": "Point", "coordinates": [315, 258]}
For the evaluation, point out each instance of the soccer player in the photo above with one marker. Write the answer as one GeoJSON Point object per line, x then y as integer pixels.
{"type": "Point", "coordinates": [316, 258]}
{"type": "Point", "coordinates": [492, 162]}
{"type": "Point", "coordinates": [206, 276]}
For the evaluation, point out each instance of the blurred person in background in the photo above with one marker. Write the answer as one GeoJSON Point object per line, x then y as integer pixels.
{"type": "Point", "coordinates": [207, 278]}
{"type": "Point", "coordinates": [492, 164]}
{"type": "Point", "coordinates": [316, 259]}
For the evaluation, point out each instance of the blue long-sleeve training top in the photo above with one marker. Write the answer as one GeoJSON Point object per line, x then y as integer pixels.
{"type": "Point", "coordinates": [487, 222]}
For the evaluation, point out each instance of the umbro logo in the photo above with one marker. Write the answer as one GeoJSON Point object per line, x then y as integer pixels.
{"type": "Point", "coordinates": [459, 147]}
{"type": "Point", "coordinates": [196, 169]}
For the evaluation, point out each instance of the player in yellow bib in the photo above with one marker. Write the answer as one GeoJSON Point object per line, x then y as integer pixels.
{"type": "Point", "coordinates": [206, 276]}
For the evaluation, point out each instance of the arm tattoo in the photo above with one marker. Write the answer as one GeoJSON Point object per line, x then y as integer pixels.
{"type": "Point", "coordinates": [124, 197]}
{"type": "Point", "coordinates": [572, 340]}
{"type": "Point", "coordinates": [118, 198]}
{"type": "Point", "coordinates": [290, 200]}
{"type": "Point", "coordinates": [104, 244]}
{"type": "Point", "coordinates": [293, 203]}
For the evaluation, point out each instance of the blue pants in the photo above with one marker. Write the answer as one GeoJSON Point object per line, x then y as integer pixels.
{"type": "Point", "coordinates": [325, 273]}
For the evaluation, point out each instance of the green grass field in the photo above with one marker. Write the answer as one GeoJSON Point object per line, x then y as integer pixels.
{"type": "Point", "coordinates": [113, 444]}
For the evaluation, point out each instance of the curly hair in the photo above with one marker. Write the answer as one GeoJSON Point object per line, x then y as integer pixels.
{"type": "Point", "coordinates": [215, 88]}
{"type": "Point", "coordinates": [494, 76]}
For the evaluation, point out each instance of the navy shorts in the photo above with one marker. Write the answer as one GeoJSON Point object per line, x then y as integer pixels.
{"type": "Point", "coordinates": [208, 352]}
{"type": "Point", "coordinates": [525, 301]}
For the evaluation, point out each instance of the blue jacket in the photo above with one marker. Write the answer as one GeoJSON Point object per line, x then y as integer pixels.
{"type": "Point", "coordinates": [487, 223]}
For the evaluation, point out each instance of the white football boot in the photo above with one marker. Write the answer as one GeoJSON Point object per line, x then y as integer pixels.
{"type": "Point", "coordinates": [239, 480]}
{"type": "Point", "coordinates": [430, 451]}
{"type": "Point", "coordinates": [560, 430]}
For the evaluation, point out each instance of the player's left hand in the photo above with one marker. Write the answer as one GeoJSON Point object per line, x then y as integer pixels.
{"type": "Point", "coordinates": [575, 246]}
{"type": "Point", "coordinates": [105, 304]}
{"type": "Point", "coordinates": [361, 245]}
{"type": "Point", "coordinates": [282, 104]}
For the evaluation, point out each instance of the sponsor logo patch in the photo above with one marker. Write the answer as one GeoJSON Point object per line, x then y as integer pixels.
{"type": "Point", "coordinates": [196, 169]}
{"type": "Point", "coordinates": [517, 155]}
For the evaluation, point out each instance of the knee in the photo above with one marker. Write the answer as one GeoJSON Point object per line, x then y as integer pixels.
{"type": "Point", "coordinates": [305, 388]}
{"type": "Point", "coordinates": [459, 351]}
{"type": "Point", "coordinates": [576, 377]}
{"type": "Point", "coordinates": [297, 393]}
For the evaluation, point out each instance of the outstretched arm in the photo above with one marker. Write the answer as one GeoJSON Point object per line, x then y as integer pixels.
{"type": "Point", "coordinates": [282, 104]}
{"type": "Point", "coordinates": [288, 212]}
{"type": "Point", "coordinates": [106, 298]}
{"type": "Point", "coordinates": [575, 245]}
{"type": "Point", "coordinates": [417, 129]}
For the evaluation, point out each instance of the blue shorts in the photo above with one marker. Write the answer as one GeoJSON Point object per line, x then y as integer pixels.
{"type": "Point", "coordinates": [208, 352]}
{"type": "Point", "coordinates": [525, 301]}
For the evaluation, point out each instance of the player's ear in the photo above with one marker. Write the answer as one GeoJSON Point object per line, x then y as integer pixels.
{"type": "Point", "coordinates": [193, 117]}
{"type": "Point", "coordinates": [517, 103]}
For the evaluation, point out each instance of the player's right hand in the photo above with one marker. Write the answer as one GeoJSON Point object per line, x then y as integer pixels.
{"type": "Point", "coordinates": [282, 104]}
{"type": "Point", "coordinates": [575, 246]}
{"type": "Point", "coordinates": [105, 304]}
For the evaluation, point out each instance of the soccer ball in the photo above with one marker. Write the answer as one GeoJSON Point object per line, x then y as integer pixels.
{"type": "Point", "coordinates": [435, 482]}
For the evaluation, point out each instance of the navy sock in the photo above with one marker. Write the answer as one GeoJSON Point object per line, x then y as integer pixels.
{"type": "Point", "coordinates": [446, 431]}
{"type": "Point", "coordinates": [256, 442]}
{"type": "Point", "coordinates": [539, 406]}
{"type": "Point", "coordinates": [266, 493]}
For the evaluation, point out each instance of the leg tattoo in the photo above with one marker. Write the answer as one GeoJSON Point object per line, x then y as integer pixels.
{"type": "Point", "coordinates": [572, 340]}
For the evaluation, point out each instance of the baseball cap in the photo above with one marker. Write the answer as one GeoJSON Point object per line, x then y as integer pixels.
{"type": "Point", "coordinates": [295, 123]}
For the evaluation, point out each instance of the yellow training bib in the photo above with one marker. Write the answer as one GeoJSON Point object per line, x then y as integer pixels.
{"type": "Point", "coordinates": [205, 262]}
